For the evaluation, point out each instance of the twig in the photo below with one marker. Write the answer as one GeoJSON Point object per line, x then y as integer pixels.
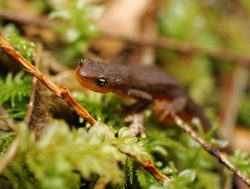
{"type": "Point", "coordinates": [232, 106]}
{"type": "Point", "coordinates": [182, 47]}
{"type": "Point", "coordinates": [101, 183]}
{"type": "Point", "coordinates": [60, 92]}
{"type": "Point", "coordinates": [65, 95]}
{"type": "Point", "coordinates": [165, 43]}
{"type": "Point", "coordinates": [25, 19]}
{"type": "Point", "coordinates": [211, 149]}
{"type": "Point", "coordinates": [9, 155]}
{"type": "Point", "coordinates": [148, 166]}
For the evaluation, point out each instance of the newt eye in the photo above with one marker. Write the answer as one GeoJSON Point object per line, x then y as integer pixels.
{"type": "Point", "coordinates": [101, 81]}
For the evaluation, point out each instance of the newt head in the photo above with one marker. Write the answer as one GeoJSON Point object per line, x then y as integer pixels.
{"type": "Point", "coordinates": [98, 77]}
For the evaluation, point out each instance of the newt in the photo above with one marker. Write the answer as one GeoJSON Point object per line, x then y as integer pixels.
{"type": "Point", "coordinates": [144, 83]}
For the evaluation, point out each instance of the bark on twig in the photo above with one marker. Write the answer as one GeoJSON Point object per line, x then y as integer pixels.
{"type": "Point", "coordinates": [148, 166]}
{"type": "Point", "coordinates": [66, 96]}
{"type": "Point", "coordinates": [211, 149]}
{"type": "Point", "coordinates": [164, 43]}
{"type": "Point", "coordinates": [60, 92]}
{"type": "Point", "coordinates": [25, 19]}
{"type": "Point", "coordinates": [38, 112]}
{"type": "Point", "coordinates": [232, 104]}
{"type": "Point", "coordinates": [183, 47]}
{"type": "Point", "coordinates": [9, 155]}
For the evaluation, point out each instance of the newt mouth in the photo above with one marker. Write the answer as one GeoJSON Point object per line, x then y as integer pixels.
{"type": "Point", "coordinates": [88, 83]}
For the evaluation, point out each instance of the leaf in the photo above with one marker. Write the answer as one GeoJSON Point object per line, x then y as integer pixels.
{"type": "Point", "coordinates": [61, 156]}
{"type": "Point", "coordinates": [242, 161]}
{"type": "Point", "coordinates": [25, 47]}
{"type": "Point", "coordinates": [14, 92]}
{"type": "Point", "coordinates": [79, 29]}
{"type": "Point", "coordinates": [187, 176]}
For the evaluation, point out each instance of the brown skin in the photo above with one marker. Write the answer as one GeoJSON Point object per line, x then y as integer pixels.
{"type": "Point", "coordinates": [145, 83]}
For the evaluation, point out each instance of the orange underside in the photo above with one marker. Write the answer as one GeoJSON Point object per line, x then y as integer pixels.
{"type": "Point", "coordinates": [95, 88]}
{"type": "Point", "coordinates": [158, 107]}
{"type": "Point", "coordinates": [89, 85]}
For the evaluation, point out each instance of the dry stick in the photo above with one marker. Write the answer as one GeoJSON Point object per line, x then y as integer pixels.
{"type": "Point", "coordinates": [101, 183]}
{"type": "Point", "coordinates": [240, 82]}
{"type": "Point", "coordinates": [211, 149]}
{"type": "Point", "coordinates": [25, 19]}
{"type": "Point", "coordinates": [9, 155]}
{"type": "Point", "coordinates": [165, 43]}
{"type": "Point", "coordinates": [65, 95]}
{"type": "Point", "coordinates": [182, 47]}
{"type": "Point", "coordinates": [147, 165]}
{"type": "Point", "coordinates": [60, 92]}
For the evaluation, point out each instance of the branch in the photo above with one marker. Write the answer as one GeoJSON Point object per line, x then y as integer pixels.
{"type": "Point", "coordinates": [9, 154]}
{"type": "Point", "coordinates": [60, 92]}
{"type": "Point", "coordinates": [233, 98]}
{"type": "Point", "coordinates": [211, 149]}
{"type": "Point", "coordinates": [182, 47]}
{"type": "Point", "coordinates": [66, 96]}
{"type": "Point", "coordinates": [25, 19]}
{"type": "Point", "coordinates": [164, 43]}
{"type": "Point", "coordinates": [148, 166]}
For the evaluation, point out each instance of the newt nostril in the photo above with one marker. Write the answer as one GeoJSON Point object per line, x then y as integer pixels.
{"type": "Point", "coordinates": [84, 67]}
{"type": "Point", "coordinates": [85, 61]}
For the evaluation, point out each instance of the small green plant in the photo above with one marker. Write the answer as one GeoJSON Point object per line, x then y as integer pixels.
{"type": "Point", "coordinates": [78, 27]}
{"type": "Point", "coordinates": [243, 117]}
{"type": "Point", "coordinates": [62, 156]}
{"type": "Point", "coordinates": [5, 140]}
{"type": "Point", "coordinates": [81, 155]}
{"type": "Point", "coordinates": [14, 93]}
{"type": "Point", "coordinates": [242, 161]}
{"type": "Point", "coordinates": [25, 47]}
